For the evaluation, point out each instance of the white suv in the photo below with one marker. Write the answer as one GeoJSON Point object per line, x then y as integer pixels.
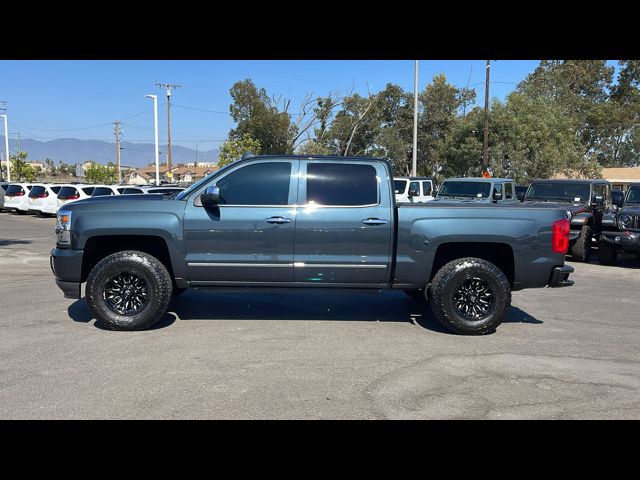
{"type": "Point", "coordinates": [43, 199]}
{"type": "Point", "coordinates": [15, 198]}
{"type": "Point", "coordinates": [413, 189]}
{"type": "Point", "coordinates": [72, 193]}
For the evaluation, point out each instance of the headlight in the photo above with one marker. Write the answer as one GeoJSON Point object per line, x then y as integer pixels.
{"type": "Point", "coordinates": [63, 227]}
{"type": "Point", "coordinates": [625, 221]}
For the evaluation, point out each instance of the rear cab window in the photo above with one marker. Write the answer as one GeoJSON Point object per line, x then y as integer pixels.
{"type": "Point", "coordinates": [342, 184]}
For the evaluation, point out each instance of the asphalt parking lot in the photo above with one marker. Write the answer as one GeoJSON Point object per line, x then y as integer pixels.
{"type": "Point", "coordinates": [562, 353]}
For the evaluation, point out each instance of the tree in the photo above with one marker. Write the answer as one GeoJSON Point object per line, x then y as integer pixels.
{"type": "Point", "coordinates": [233, 149]}
{"type": "Point", "coordinates": [98, 173]}
{"type": "Point", "coordinates": [20, 170]}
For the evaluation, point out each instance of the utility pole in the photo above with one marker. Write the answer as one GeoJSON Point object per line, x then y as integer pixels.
{"type": "Point", "coordinates": [19, 143]}
{"type": "Point", "coordinates": [6, 139]}
{"type": "Point", "coordinates": [196, 162]}
{"type": "Point", "coordinates": [485, 146]}
{"type": "Point", "coordinates": [117, 133]}
{"type": "Point", "coordinates": [414, 165]}
{"type": "Point", "coordinates": [155, 127]}
{"type": "Point", "coordinates": [169, 87]}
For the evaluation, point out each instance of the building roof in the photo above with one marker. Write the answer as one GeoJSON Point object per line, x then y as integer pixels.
{"type": "Point", "coordinates": [622, 174]}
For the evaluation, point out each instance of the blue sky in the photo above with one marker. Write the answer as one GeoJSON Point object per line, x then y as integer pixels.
{"type": "Point", "coordinates": [80, 99]}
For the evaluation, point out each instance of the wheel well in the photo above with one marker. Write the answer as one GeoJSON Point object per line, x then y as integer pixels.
{"type": "Point", "coordinates": [500, 254]}
{"type": "Point", "coordinates": [97, 248]}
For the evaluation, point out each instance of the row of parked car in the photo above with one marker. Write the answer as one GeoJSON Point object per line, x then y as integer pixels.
{"type": "Point", "coordinates": [46, 198]}
{"type": "Point", "coordinates": [598, 215]}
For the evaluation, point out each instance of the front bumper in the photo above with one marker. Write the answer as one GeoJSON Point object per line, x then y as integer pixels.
{"type": "Point", "coordinates": [628, 241]}
{"type": "Point", "coordinates": [560, 277]}
{"type": "Point", "coordinates": [66, 265]}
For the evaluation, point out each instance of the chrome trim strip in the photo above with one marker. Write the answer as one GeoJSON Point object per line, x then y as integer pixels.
{"type": "Point", "coordinates": [214, 264]}
{"type": "Point", "coordinates": [296, 265]}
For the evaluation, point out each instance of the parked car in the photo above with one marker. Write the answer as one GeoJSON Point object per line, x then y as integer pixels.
{"type": "Point", "coordinates": [102, 190]}
{"type": "Point", "coordinates": [585, 201]}
{"type": "Point", "coordinates": [413, 189]}
{"type": "Point", "coordinates": [15, 198]}
{"type": "Point", "coordinates": [621, 228]}
{"type": "Point", "coordinates": [145, 189]}
{"type": "Point", "coordinates": [43, 199]}
{"type": "Point", "coordinates": [73, 192]}
{"type": "Point", "coordinates": [235, 229]}
{"type": "Point", "coordinates": [477, 189]}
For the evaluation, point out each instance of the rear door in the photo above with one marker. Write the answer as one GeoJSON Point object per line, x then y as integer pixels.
{"type": "Point", "coordinates": [344, 223]}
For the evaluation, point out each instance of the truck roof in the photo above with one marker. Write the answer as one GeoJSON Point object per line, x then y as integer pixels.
{"type": "Point", "coordinates": [569, 180]}
{"type": "Point", "coordinates": [478, 179]}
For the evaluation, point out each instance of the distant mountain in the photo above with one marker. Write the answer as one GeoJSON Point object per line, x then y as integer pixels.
{"type": "Point", "coordinates": [72, 150]}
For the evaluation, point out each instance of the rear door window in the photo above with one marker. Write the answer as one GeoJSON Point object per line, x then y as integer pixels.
{"type": "Point", "coordinates": [342, 184]}
{"type": "Point", "coordinates": [415, 188]}
{"type": "Point", "coordinates": [426, 188]}
{"type": "Point", "coordinates": [508, 191]}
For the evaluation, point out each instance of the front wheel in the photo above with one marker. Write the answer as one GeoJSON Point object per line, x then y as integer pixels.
{"type": "Point", "coordinates": [128, 290]}
{"type": "Point", "coordinates": [470, 296]}
{"type": "Point", "coordinates": [582, 246]}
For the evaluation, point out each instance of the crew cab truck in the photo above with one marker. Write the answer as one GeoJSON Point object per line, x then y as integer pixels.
{"type": "Point", "coordinates": [621, 228]}
{"type": "Point", "coordinates": [301, 222]}
{"type": "Point", "coordinates": [585, 202]}
{"type": "Point", "coordinates": [478, 189]}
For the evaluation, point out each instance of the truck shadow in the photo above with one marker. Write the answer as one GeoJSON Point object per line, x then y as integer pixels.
{"type": "Point", "coordinates": [337, 305]}
{"type": "Point", "coordinates": [5, 243]}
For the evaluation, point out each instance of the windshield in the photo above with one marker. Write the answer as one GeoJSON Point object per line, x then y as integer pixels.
{"type": "Point", "coordinates": [634, 195]}
{"type": "Point", "coordinates": [569, 192]}
{"type": "Point", "coordinates": [465, 189]}
{"type": "Point", "coordinates": [399, 185]}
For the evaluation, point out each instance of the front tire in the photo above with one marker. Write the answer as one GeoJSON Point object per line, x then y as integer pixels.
{"type": "Point", "coordinates": [581, 248]}
{"type": "Point", "coordinates": [607, 254]}
{"type": "Point", "coordinates": [128, 290]}
{"type": "Point", "coordinates": [470, 296]}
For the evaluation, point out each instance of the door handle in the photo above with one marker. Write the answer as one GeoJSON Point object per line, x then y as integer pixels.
{"type": "Point", "coordinates": [278, 220]}
{"type": "Point", "coordinates": [374, 221]}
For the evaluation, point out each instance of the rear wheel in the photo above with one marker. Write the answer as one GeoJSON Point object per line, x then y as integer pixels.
{"type": "Point", "coordinates": [470, 296]}
{"type": "Point", "coordinates": [128, 290]}
{"type": "Point", "coordinates": [581, 248]}
{"type": "Point", "coordinates": [607, 253]}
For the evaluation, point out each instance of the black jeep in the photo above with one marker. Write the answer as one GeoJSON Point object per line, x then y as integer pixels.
{"type": "Point", "coordinates": [586, 202]}
{"type": "Point", "coordinates": [621, 228]}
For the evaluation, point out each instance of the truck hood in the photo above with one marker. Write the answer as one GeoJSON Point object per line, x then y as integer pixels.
{"type": "Point", "coordinates": [572, 207]}
{"type": "Point", "coordinates": [633, 209]}
{"type": "Point", "coordinates": [117, 198]}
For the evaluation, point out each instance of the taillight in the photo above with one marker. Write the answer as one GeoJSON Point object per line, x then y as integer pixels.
{"type": "Point", "coordinates": [75, 196]}
{"type": "Point", "coordinates": [560, 236]}
{"type": "Point", "coordinates": [17, 194]}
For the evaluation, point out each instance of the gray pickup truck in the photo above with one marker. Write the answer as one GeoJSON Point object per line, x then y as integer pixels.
{"type": "Point", "coordinates": [293, 221]}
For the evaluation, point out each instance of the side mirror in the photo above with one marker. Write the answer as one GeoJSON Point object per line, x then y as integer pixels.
{"type": "Point", "coordinates": [211, 196]}
{"type": "Point", "coordinates": [598, 199]}
{"type": "Point", "coordinates": [617, 198]}
{"type": "Point", "coordinates": [413, 192]}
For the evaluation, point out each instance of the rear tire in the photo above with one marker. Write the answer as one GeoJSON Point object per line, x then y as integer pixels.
{"type": "Point", "coordinates": [607, 254]}
{"type": "Point", "coordinates": [139, 280]}
{"type": "Point", "coordinates": [470, 296]}
{"type": "Point", "coordinates": [581, 248]}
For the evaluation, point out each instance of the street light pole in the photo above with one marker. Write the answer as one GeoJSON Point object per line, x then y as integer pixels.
{"type": "Point", "coordinates": [414, 168]}
{"type": "Point", "coordinates": [155, 123]}
{"type": "Point", "coordinates": [6, 146]}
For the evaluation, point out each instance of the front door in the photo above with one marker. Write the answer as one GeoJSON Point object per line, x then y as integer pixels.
{"type": "Point", "coordinates": [248, 237]}
{"type": "Point", "coordinates": [344, 223]}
